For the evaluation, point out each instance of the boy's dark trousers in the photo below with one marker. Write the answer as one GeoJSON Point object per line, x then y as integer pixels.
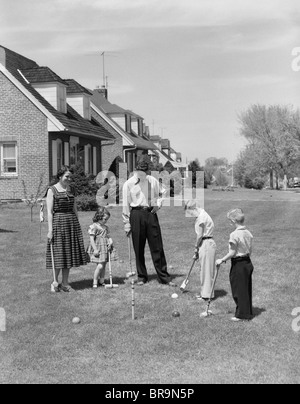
{"type": "Point", "coordinates": [241, 285]}
{"type": "Point", "coordinates": [145, 226]}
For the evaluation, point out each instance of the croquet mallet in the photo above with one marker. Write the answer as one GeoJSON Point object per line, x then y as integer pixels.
{"type": "Point", "coordinates": [55, 283]}
{"type": "Point", "coordinates": [131, 273]}
{"type": "Point", "coordinates": [186, 281]}
{"type": "Point", "coordinates": [110, 285]}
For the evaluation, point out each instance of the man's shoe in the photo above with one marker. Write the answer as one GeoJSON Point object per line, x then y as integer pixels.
{"type": "Point", "coordinates": [235, 319]}
{"type": "Point", "coordinates": [141, 283]}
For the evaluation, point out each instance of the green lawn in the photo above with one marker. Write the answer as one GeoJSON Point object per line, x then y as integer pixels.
{"type": "Point", "coordinates": [41, 345]}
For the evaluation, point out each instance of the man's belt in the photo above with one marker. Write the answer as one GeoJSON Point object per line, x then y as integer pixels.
{"type": "Point", "coordinates": [145, 208]}
{"type": "Point", "coordinates": [206, 238]}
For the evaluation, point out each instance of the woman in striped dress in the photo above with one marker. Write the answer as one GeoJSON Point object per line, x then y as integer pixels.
{"type": "Point", "coordinates": [64, 231]}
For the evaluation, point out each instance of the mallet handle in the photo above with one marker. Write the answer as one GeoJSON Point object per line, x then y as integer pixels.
{"type": "Point", "coordinates": [133, 299]}
{"type": "Point", "coordinates": [53, 265]}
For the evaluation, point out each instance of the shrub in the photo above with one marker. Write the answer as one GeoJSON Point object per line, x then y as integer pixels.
{"type": "Point", "coordinates": [84, 184]}
{"type": "Point", "coordinates": [256, 183]}
{"type": "Point", "coordinates": [86, 203]}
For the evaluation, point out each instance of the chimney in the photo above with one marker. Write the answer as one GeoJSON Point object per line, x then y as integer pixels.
{"type": "Point", "coordinates": [103, 91]}
{"type": "Point", "coordinates": [2, 56]}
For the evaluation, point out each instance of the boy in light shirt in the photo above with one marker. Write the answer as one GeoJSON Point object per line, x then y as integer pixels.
{"type": "Point", "coordinates": [240, 251]}
{"type": "Point", "coordinates": [205, 248]}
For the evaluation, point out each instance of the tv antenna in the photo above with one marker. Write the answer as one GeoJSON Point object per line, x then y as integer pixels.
{"type": "Point", "coordinates": [104, 77]}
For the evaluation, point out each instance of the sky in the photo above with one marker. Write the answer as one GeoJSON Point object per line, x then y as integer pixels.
{"type": "Point", "coordinates": [188, 67]}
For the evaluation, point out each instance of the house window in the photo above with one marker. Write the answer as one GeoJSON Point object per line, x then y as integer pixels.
{"type": "Point", "coordinates": [74, 143]}
{"type": "Point", "coordinates": [9, 167]}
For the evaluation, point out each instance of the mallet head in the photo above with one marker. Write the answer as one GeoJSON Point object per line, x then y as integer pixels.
{"type": "Point", "coordinates": [207, 313]}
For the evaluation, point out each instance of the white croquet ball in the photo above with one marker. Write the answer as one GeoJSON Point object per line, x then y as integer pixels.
{"type": "Point", "coordinates": [174, 296]}
{"type": "Point", "coordinates": [76, 320]}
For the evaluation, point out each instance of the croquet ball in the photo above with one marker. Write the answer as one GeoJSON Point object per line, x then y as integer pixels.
{"type": "Point", "coordinates": [174, 296]}
{"type": "Point", "coordinates": [76, 320]}
{"type": "Point", "coordinates": [176, 314]}
{"type": "Point", "coordinates": [171, 267]}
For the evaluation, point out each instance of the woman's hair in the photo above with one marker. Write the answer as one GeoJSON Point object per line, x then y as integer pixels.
{"type": "Point", "coordinates": [236, 215]}
{"type": "Point", "coordinates": [99, 215]}
{"type": "Point", "coordinates": [62, 171]}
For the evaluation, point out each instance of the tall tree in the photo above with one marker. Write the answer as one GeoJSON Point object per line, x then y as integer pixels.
{"type": "Point", "coordinates": [275, 132]}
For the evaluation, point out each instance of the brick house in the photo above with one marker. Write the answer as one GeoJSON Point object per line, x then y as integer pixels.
{"type": "Point", "coordinates": [45, 122]}
{"type": "Point", "coordinates": [167, 155]}
{"type": "Point", "coordinates": [128, 128]}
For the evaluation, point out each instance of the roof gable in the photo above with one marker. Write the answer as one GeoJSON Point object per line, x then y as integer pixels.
{"type": "Point", "coordinates": [75, 88]}
{"type": "Point", "coordinates": [14, 61]}
{"type": "Point", "coordinates": [71, 121]}
{"type": "Point", "coordinates": [41, 75]}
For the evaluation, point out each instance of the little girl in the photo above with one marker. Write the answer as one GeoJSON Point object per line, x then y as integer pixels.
{"type": "Point", "coordinates": [240, 250]}
{"type": "Point", "coordinates": [101, 245]}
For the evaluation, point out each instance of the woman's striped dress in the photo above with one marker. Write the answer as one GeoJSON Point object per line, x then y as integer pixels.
{"type": "Point", "coordinates": [68, 245]}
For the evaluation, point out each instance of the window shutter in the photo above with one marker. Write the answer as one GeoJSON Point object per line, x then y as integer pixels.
{"type": "Point", "coordinates": [86, 159]}
{"type": "Point", "coordinates": [54, 157]}
{"type": "Point", "coordinates": [95, 160]}
{"type": "Point", "coordinates": [67, 153]}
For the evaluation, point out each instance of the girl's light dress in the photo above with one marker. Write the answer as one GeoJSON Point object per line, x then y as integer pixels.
{"type": "Point", "coordinates": [101, 237]}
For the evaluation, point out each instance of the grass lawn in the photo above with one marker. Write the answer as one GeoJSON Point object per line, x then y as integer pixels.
{"type": "Point", "coordinates": [41, 345]}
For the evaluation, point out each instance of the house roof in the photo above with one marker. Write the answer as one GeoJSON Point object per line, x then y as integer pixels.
{"type": "Point", "coordinates": [75, 88]}
{"type": "Point", "coordinates": [110, 108]}
{"type": "Point", "coordinates": [102, 103]}
{"type": "Point", "coordinates": [42, 75]}
{"type": "Point", "coordinates": [141, 143]}
{"type": "Point", "coordinates": [164, 159]}
{"type": "Point", "coordinates": [165, 143]}
{"type": "Point", "coordinates": [17, 65]}
{"type": "Point", "coordinates": [134, 139]}
{"type": "Point", "coordinates": [155, 138]}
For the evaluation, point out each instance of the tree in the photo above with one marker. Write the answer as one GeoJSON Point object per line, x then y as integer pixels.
{"type": "Point", "coordinates": [249, 167]}
{"type": "Point", "coordinates": [221, 179]}
{"type": "Point", "coordinates": [212, 166]}
{"type": "Point", "coordinates": [274, 132]}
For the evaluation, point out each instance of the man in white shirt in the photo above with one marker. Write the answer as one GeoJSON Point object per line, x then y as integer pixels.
{"type": "Point", "coordinates": [142, 198]}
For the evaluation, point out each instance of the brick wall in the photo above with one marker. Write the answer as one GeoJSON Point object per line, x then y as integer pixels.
{"type": "Point", "coordinates": [20, 120]}
{"type": "Point", "coordinates": [110, 149]}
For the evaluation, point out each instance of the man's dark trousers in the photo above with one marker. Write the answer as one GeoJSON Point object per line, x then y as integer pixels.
{"type": "Point", "coordinates": [145, 226]}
